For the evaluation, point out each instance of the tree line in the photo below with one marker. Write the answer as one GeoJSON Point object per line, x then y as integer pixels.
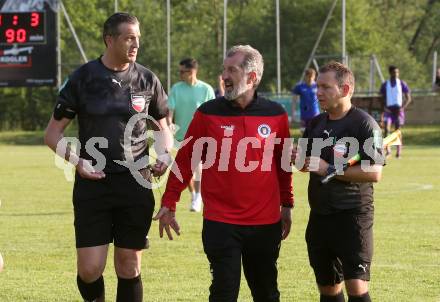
{"type": "Point", "coordinates": [400, 32]}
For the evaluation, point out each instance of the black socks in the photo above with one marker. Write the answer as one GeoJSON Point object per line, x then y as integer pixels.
{"type": "Point", "coordinates": [90, 291]}
{"type": "Point", "coordinates": [338, 298]}
{"type": "Point", "coordinates": [129, 290]}
{"type": "Point", "coordinates": [364, 298]}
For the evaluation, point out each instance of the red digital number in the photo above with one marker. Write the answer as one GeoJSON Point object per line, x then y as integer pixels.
{"type": "Point", "coordinates": [1, 19]}
{"type": "Point", "coordinates": [15, 20]}
{"type": "Point", "coordinates": [35, 19]}
{"type": "Point", "coordinates": [10, 35]}
{"type": "Point", "coordinates": [21, 35]}
{"type": "Point", "coordinates": [13, 36]}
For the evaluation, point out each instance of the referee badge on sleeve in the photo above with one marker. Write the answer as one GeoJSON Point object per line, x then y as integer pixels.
{"type": "Point", "coordinates": [138, 102]}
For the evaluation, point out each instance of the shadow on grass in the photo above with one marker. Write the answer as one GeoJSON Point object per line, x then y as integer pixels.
{"type": "Point", "coordinates": [421, 135]}
{"type": "Point", "coordinates": [27, 138]}
{"type": "Point", "coordinates": [22, 138]}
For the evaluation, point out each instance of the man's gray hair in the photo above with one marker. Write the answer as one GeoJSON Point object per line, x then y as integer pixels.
{"type": "Point", "coordinates": [253, 60]}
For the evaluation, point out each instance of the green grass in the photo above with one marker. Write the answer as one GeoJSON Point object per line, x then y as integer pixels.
{"type": "Point", "coordinates": [37, 239]}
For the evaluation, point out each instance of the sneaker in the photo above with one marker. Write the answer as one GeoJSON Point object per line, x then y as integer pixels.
{"type": "Point", "coordinates": [196, 205]}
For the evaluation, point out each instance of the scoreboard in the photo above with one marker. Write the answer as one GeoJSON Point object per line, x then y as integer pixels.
{"type": "Point", "coordinates": [23, 28]}
{"type": "Point", "coordinates": [28, 55]}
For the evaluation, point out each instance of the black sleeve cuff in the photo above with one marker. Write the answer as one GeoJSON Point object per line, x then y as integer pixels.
{"type": "Point", "coordinates": [63, 111]}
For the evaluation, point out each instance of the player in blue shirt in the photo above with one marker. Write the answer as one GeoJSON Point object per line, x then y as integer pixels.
{"type": "Point", "coordinates": [308, 101]}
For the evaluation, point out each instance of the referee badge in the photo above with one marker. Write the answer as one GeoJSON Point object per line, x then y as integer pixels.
{"type": "Point", "coordinates": [340, 150]}
{"type": "Point", "coordinates": [138, 102]}
{"type": "Point", "coordinates": [264, 130]}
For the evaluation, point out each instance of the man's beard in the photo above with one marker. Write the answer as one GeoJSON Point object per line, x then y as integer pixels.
{"type": "Point", "coordinates": [238, 90]}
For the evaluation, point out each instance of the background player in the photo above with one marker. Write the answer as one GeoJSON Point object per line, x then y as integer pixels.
{"type": "Point", "coordinates": [396, 97]}
{"type": "Point", "coordinates": [308, 102]}
{"type": "Point", "coordinates": [185, 97]}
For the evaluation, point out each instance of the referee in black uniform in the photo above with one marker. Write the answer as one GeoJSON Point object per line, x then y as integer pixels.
{"type": "Point", "coordinates": [339, 233]}
{"type": "Point", "coordinates": [109, 204]}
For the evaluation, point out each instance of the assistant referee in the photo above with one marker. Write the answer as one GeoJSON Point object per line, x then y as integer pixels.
{"type": "Point", "coordinates": [109, 204]}
{"type": "Point", "coordinates": [339, 233]}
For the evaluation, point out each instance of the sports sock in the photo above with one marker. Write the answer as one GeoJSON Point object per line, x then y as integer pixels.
{"type": "Point", "coordinates": [197, 195]}
{"type": "Point", "coordinates": [129, 290]}
{"type": "Point", "coordinates": [364, 298]}
{"type": "Point", "coordinates": [338, 298]}
{"type": "Point", "coordinates": [399, 149]}
{"type": "Point", "coordinates": [90, 291]}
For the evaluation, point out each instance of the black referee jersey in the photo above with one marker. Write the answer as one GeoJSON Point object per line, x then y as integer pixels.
{"type": "Point", "coordinates": [104, 101]}
{"type": "Point", "coordinates": [340, 195]}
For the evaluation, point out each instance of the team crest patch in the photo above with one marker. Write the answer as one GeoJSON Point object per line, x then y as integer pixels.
{"type": "Point", "coordinates": [264, 130]}
{"type": "Point", "coordinates": [138, 102]}
{"type": "Point", "coordinates": [340, 150]}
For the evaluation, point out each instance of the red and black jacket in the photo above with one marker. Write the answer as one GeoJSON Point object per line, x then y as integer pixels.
{"type": "Point", "coordinates": [242, 180]}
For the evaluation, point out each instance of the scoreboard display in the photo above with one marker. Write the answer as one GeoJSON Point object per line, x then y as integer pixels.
{"type": "Point", "coordinates": [23, 28]}
{"type": "Point", "coordinates": [28, 55]}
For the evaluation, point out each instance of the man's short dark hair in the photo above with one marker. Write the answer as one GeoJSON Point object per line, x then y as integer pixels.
{"type": "Point", "coordinates": [343, 74]}
{"type": "Point", "coordinates": [111, 25]}
{"type": "Point", "coordinates": [391, 68]}
{"type": "Point", "coordinates": [189, 63]}
{"type": "Point", "coordinates": [310, 72]}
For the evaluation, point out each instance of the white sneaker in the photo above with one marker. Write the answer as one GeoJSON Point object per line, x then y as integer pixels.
{"type": "Point", "coordinates": [196, 205]}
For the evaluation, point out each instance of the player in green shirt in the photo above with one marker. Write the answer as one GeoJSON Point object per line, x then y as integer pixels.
{"type": "Point", "coordinates": [185, 97]}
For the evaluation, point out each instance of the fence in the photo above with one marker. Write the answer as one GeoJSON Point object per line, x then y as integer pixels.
{"type": "Point", "coordinates": [424, 108]}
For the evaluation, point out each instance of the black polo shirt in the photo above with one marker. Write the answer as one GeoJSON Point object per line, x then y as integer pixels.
{"type": "Point", "coordinates": [104, 101]}
{"type": "Point", "coordinates": [338, 195]}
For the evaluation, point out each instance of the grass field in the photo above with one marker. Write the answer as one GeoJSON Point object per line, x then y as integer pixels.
{"type": "Point", "coordinates": [37, 239]}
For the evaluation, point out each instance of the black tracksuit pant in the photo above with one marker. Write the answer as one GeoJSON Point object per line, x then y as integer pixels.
{"type": "Point", "coordinates": [228, 245]}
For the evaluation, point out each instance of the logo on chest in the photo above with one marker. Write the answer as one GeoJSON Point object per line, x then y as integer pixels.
{"type": "Point", "coordinates": [264, 130]}
{"type": "Point", "coordinates": [138, 102]}
{"type": "Point", "coordinates": [340, 150]}
{"type": "Point", "coordinates": [114, 81]}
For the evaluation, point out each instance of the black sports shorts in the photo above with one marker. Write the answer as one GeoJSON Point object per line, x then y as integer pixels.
{"type": "Point", "coordinates": [340, 246]}
{"type": "Point", "coordinates": [115, 209]}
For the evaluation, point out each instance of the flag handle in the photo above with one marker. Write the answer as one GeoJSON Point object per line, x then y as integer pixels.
{"type": "Point", "coordinates": [390, 140]}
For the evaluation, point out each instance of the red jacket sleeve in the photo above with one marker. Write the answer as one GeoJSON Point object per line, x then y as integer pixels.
{"type": "Point", "coordinates": [181, 172]}
{"type": "Point", "coordinates": [284, 171]}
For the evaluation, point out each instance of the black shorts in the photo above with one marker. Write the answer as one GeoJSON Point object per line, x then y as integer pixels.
{"type": "Point", "coordinates": [340, 246]}
{"type": "Point", "coordinates": [115, 209]}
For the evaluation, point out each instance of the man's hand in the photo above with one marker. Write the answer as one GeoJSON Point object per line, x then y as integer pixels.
{"type": "Point", "coordinates": [167, 219]}
{"type": "Point", "coordinates": [161, 165]}
{"type": "Point", "coordinates": [173, 128]}
{"type": "Point", "coordinates": [85, 170]}
{"type": "Point", "coordinates": [296, 157]}
{"type": "Point", "coordinates": [316, 165]}
{"type": "Point", "coordinates": [286, 221]}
